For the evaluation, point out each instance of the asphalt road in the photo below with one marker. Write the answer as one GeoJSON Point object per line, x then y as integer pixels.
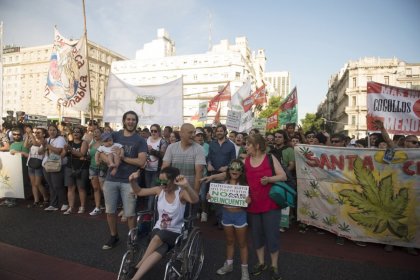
{"type": "Point", "coordinates": [77, 239]}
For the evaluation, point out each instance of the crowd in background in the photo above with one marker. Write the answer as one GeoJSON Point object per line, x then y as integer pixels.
{"type": "Point", "coordinates": [198, 152]}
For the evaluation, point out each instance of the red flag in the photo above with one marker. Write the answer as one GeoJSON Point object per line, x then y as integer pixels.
{"type": "Point", "coordinates": [248, 102]}
{"type": "Point", "coordinates": [273, 120]}
{"type": "Point", "coordinates": [260, 95]}
{"type": "Point", "coordinates": [224, 95]}
{"type": "Point", "coordinates": [217, 117]}
{"type": "Point", "coordinates": [290, 101]}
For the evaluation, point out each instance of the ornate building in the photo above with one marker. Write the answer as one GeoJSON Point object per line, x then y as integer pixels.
{"type": "Point", "coordinates": [344, 107]}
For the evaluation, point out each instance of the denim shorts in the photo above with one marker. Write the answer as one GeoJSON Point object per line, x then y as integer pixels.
{"type": "Point", "coordinates": [112, 192]}
{"type": "Point", "coordinates": [97, 172]}
{"type": "Point", "coordinates": [35, 172]}
{"type": "Point", "coordinates": [234, 219]}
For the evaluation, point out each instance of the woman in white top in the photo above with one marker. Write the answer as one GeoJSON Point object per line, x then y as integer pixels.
{"type": "Point", "coordinates": [54, 144]}
{"type": "Point", "coordinates": [173, 193]}
{"type": "Point", "coordinates": [33, 142]}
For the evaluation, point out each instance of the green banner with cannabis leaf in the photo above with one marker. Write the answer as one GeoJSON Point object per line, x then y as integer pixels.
{"type": "Point", "coordinates": [11, 180]}
{"type": "Point", "coordinates": [354, 193]}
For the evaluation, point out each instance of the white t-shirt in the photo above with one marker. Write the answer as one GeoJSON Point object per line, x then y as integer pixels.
{"type": "Point", "coordinates": [57, 142]}
{"type": "Point", "coordinates": [108, 150]}
{"type": "Point", "coordinates": [152, 161]}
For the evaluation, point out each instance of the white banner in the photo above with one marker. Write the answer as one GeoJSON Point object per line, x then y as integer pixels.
{"type": "Point", "coordinates": [234, 195]}
{"type": "Point", "coordinates": [11, 180]}
{"type": "Point", "coordinates": [242, 93]}
{"type": "Point", "coordinates": [67, 81]}
{"type": "Point", "coordinates": [397, 108]}
{"type": "Point", "coordinates": [161, 104]}
{"type": "Point", "coordinates": [260, 124]}
{"type": "Point", "coordinates": [233, 120]}
{"type": "Point", "coordinates": [202, 111]}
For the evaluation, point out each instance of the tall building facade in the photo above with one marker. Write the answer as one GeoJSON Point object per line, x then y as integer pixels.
{"type": "Point", "coordinates": [203, 74]}
{"type": "Point", "coordinates": [278, 83]}
{"type": "Point", "coordinates": [25, 75]}
{"type": "Point", "coordinates": [344, 107]}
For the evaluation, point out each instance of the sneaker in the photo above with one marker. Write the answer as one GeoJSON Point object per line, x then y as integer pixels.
{"type": "Point", "coordinates": [245, 273]}
{"type": "Point", "coordinates": [33, 205]}
{"type": "Point", "coordinates": [203, 217]}
{"type": "Point", "coordinates": [258, 269]}
{"type": "Point", "coordinates": [81, 210]}
{"type": "Point", "coordinates": [226, 268]}
{"type": "Point", "coordinates": [65, 207]}
{"type": "Point", "coordinates": [113, 240]}
{"type": "Point", "coordinates": [282, 229]}
{"type": "Point", "coordinates": [68, 211]}
{"type": "Point", "coordinates": [274, 274]}
{"type": "Point", "coordinates": [51, 208]}
{"type": "Point", "coordinates": [12, 203]}
{"type": "Point", "coordinates": [95, 212]}
{"type": "Point", "coordinates": [4, 202]}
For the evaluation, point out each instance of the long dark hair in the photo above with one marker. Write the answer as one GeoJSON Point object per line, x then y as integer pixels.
{"type": "Point", "coordinates": [171, 172]}
{"type": "Point", "coordinates": [242, 178]}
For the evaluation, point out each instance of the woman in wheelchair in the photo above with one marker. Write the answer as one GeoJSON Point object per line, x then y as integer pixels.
{"type": "Point", "coordinates": [173, 193]}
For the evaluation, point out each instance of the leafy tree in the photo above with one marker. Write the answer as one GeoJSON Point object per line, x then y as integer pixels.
{"type": "Point", "coordinates": [273, 104]}
{"type": "Point", "coordinates": [312, 122]}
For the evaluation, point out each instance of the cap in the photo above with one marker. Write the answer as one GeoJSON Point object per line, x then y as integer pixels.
{"type": "Point", "coordinates": [106, 136]}
{"type": "Point", "coordinates": [199, 131]}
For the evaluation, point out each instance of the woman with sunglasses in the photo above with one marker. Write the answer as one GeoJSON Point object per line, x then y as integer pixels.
{"type": "Point", "coordinates": [156, 146]}
{"type": "Point", "coordinates": [33, 142]}
{"type": "Point", "coordinates": [234, 221]}
{"type": "Point", "coordinates": [76, 171]}
{"type": "Point", "coordinates": [263, 213]}
{"type": "Point", "coordinates": [173, 193]}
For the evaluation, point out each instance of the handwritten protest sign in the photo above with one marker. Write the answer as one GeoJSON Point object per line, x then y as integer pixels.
{"type": "Point", "coordinates": [233, 195]}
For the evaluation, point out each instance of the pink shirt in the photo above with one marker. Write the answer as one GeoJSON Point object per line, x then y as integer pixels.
{"type": "Point", "coordinates": [260, 199]}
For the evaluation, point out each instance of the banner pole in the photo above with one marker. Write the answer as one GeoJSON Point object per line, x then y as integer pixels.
{"type": "Point", "coordinates": [87, 59]}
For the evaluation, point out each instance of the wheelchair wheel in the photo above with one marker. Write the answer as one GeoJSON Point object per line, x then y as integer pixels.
{"type": "Point", "coordinates": [194, 255]}
{"type": "Point", "coordinates": [171, 273]}
{"type": "Point", "coordinates": [129, 261]}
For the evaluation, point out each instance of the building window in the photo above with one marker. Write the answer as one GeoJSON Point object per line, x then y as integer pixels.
{"type": "Point", "coordinates": [353, 120]}
{"type": "Point", "coordinates": [238, 75]}
{"type": "Point", "coordinates": [386, 78]}
{"type": "Point", "coordinates": [354, 82]}
{"type": "Point", "coordinates": [408, 72]}
{"type": "Point", "coordinates": [369, 78]}
{"type": "Point", "coordinates": [353, 99]}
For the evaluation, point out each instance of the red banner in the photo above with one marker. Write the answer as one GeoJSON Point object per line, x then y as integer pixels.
{"type": "Point", "coordinates": [260, 96]}
{"type": "Point", "coordinates": [273, 120]}
{"type": "Point", "coordinates": [290, 102]}
{"type": "Point", "coordinates": [224, 95]}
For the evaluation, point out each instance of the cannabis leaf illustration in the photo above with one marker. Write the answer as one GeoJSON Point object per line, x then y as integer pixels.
{"type": "Point", "coordinates": [145, 99]}
{"type": "Point", "coordinates": [379, 208]}
{"type": "Point", "coordinates": [344, 227]}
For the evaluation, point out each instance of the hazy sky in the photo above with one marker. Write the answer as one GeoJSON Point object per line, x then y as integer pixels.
{"type": "Point", "coordinates": [310, 39]}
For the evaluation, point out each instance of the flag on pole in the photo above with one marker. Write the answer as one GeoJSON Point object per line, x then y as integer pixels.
{"type": "Point", "coordinates": [260, 95]}
{"type": "Point", "coordinates": [68, 79]}
{"type": "Point", "coordinates": [223, 95]}
{"type": "Point", "coordinates": [273, 120]}
{"type": "Point", "coordinates": [288, 108]}
{"type": "Point", "coordinates": [242, 93]}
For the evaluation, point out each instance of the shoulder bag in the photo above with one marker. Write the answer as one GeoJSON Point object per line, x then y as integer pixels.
{"type": "Point", "coordinates": [53, 163]}
{"type": "Point", "coordinates": [283, 194]}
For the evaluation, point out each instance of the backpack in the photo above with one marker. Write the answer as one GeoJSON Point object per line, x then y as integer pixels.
{"type": "Point", "coordinates": [281, 192]}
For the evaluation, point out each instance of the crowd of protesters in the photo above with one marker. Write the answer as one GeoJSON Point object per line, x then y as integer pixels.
{"type": "Point", "coordinates": [201, 154]}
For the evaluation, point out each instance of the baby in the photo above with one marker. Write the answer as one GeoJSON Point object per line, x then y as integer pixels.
{"type": "Point", "coordinates": [112, 151]}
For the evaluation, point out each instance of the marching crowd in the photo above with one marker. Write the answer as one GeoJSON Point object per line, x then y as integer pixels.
{"type": "Point", "coordinates": [62, 165]}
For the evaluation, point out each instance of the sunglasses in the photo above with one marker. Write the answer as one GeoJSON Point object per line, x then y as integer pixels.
{"type": "Point", "coordinates": [235, 169]}
{"type": "Point", "coordinates": [16, 134]}
{"type": "Point", "coordinates": [153, 131]}
{"type": "Point", "coordinates": [408, 141]}
{"type": "Point", "coordinates": [163, 182]}
{"type": "Point", "coordinates": [310, 136]}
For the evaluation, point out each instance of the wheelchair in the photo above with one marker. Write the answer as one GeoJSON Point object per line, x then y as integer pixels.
{"type": "Point", "coordinates": [183, 261]}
